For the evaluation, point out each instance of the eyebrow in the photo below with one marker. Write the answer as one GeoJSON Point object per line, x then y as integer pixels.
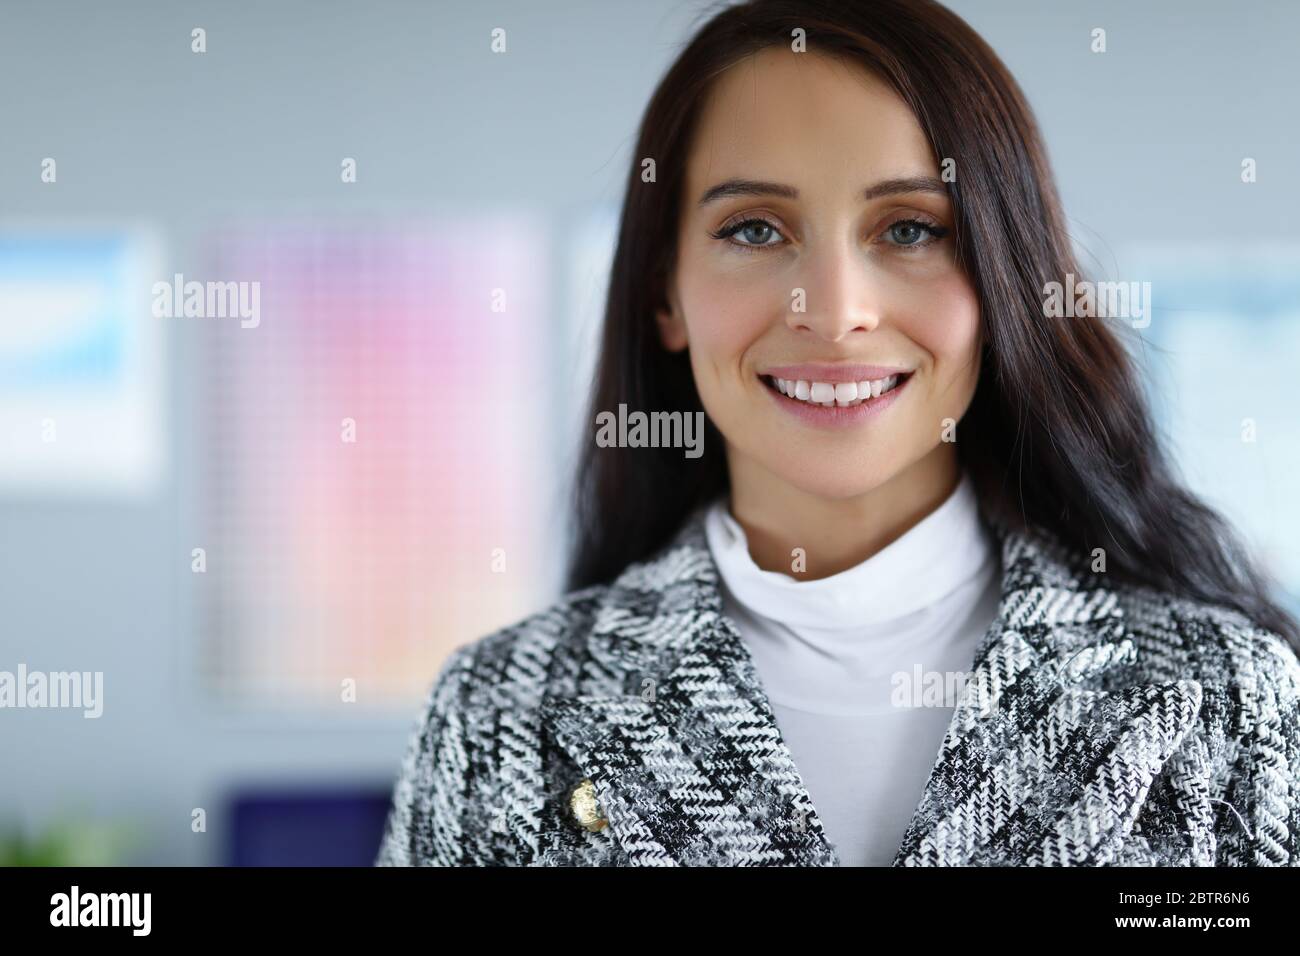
{"type": "Point", "coordinates": [755, 187]}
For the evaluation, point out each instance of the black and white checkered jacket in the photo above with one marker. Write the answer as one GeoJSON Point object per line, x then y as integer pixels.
{"type": "Point", "coordinates": [1101, 725]}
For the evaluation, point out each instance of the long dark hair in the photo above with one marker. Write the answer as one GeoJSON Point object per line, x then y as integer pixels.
{"type": "Point", "coordinates": [1058, 433]}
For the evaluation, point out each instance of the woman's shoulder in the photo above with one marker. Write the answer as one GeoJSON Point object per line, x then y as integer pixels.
{"type": "Point", "coordinates": [518, 664]}
{"type": "Point", "coordinates": [487, 691]}
{"type": "Point", "coordinates": [1212, 643]}
{"type": "Point", "coordinates": [592, 640]}
{"type": "Point", "coordinates": [1175, 636]}
{"type": "Point", "coordinates": [586, 638]}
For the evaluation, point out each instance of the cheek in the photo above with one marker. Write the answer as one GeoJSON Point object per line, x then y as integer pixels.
{"type": "Point", "coordinates": [724, 318]}
{"type": "Point", "coordinates": [946, 323]}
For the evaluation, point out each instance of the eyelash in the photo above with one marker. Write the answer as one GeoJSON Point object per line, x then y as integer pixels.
{"type": "Point", "coordinates": [936, 232]}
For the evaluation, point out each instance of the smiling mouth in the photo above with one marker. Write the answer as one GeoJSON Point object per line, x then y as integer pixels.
{"type": "Point", "coordinates": [835, 395]}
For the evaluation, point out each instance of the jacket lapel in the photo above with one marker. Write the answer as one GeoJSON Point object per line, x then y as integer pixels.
{"type": "Point", "coordinates": [687, 761]}
{"type": "Point", "coordinates": [1039, 766]}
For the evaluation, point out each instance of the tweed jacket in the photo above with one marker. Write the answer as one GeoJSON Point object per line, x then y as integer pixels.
{"type": "Point", "coordinates": [1099, 725]}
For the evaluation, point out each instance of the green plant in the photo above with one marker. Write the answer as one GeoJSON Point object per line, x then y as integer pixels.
{"type": "Point", "coordinates": [70, 843]}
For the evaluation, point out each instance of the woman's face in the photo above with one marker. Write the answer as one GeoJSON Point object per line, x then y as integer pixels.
{"type": "Point", "coordinates": [837, 269]}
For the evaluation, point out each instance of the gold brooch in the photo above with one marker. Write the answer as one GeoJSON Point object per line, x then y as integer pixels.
{"type": "Point", "coordinates": [585, 808]}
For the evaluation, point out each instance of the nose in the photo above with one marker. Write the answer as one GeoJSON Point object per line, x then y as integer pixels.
{"type": "Point", "coordinates": [841, 296]}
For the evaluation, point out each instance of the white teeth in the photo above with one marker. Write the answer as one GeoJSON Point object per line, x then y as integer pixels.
{"type": "Point", "coordinates": [821, 392]}
{"type": "Point", "coordinates": [842, 394]}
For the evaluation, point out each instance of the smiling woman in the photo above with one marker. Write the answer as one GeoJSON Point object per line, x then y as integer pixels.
{"type": "Point", "coordinates": [830, 273]}
{"type": "Point", "coordinates": [914, 476]}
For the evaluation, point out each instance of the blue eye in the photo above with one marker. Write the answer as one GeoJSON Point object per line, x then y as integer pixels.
{"type": "Point", "coordinates": [757, 231]}
{"type": "Point", "coordinates": [913, 233]}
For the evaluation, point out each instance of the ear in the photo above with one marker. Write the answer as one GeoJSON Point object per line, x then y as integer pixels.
{"type": "Point", "coordinates": [672, 327]}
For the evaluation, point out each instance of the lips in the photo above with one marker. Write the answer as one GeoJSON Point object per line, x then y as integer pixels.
{"type": "Point", "coordinates": [824, 404]}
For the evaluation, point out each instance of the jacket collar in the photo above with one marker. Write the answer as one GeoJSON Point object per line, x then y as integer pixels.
{"type": "Point", "coordinates": [1039, 766]}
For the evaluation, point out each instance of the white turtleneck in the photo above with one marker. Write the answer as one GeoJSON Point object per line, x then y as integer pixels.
{"type": "Point", "coordinates": [835, 654]}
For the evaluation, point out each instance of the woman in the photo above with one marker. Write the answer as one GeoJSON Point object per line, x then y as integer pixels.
{"type": "Point", "coordinates": [932, 594]}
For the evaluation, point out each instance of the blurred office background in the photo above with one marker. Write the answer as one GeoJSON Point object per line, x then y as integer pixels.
{"type": "Point", "coordinates": [268, 538]}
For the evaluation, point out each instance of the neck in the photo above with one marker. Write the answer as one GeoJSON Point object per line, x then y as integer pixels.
{"type": "Point", "coordinates": [836, 533]}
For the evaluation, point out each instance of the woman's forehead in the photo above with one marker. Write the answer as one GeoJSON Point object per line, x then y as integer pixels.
{"type": "Point", "coordinates": [804, 119]}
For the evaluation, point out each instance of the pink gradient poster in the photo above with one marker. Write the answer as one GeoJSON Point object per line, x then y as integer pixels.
{"type": "Point", "coordinates": [380, 454]}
